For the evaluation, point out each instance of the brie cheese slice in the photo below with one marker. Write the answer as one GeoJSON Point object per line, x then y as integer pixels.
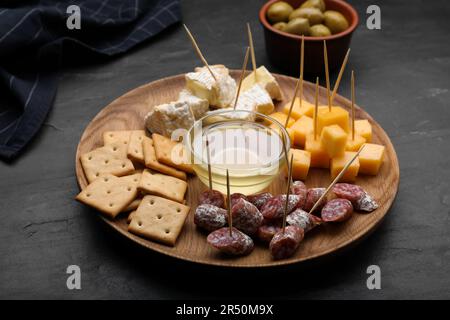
{"type": "Point", "coordinates": [265, 79]}
{"type": "Point", "coordinates": [261, 98]}
{"type": "Point", "coordinates": [166, 118]}
{"type": "Point", "coordinates": [198, 105]}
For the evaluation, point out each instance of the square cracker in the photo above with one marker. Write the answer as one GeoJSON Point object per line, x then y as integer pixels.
{"type": "Point", "coordinates": [172, 153]}
{"type": "Point", "coordinates": [162, 185]}
{"type": "Point", "coordinates": [133, 205]}
{"type": "Point", "coordinates": [135, 151]}
{"type": "Point", "coordinates": [107, 159]}
{"type": "Point", "coordinates": [159, 219]}
{"type": "Point", "coordinates": [110, 194]}
{"type": "Point", "coordinates": [122, 136]}
{"type": "Point", "coordinates": [152, 163]}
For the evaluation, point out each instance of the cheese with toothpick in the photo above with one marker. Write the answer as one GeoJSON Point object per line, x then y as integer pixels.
{"type": "Point", "coordinates": [166, 118]}
{"type": "Point", "coordinates": [220, 93]}
{"type": "Point", "coordinates": [198, 105]}
{"type": "Point", "coordinates": [257, 94]}
{"type": "Point", "coordinates": [265, 79]}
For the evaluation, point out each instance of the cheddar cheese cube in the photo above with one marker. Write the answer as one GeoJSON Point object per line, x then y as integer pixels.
{"type": "Point", "coordinates": [301, 128]}
{"type": "Point", "coordinates": [354, 144]}
{"type": "Point", "coordinates": [301, 163]}
{"type": "Point", "coordinates": [337, 115]}
{"type": "Point", "coordinates": [334, 140]}
{"type": "Point", "coordinates": [319, 156]}
{"type": "Point", "coordinates": [338, 163]}
{"type": "Point", "coordinates": [364, 129]}
{"type": "Point", "coordinates": [281, 117]}
{"type": "Point", "coordinates": [371, 158]}
{"type": "Point", "coordinates": [291, 134]}
{"type": "Point", "coordinates": [307, 109]}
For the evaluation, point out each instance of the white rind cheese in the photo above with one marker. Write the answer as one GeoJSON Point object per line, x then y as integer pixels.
{"type": "Point", "coordinates": [265, 79]}
{"type": "Point", "coordinates": [261, 98]}
{"type": "Point", "coordinates": [166, 118]}
{"type": "Point", "coordinates": [198, 106]}
{"type": "Point", "coordinates": [219, 93]}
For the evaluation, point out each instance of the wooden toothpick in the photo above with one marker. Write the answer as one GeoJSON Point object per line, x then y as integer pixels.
{"type": "Point", "coordinates": [208, 158]}
{"type": "Point", "coordinates": [199, 53]}
{"type": "Point", "coordinates": [230, 218]}
{"type": "Point", "coordinates": [288, 192]}
{"type": "Point", "coordinates": [341, 72]}
{"type": "Point", "coordinates": [243, 70]}
{"type": "Point", "coordinates": [302, 59]}
{"type": "Point", "coordinates": [298, 86]}
{"type": "Point", "coordinates": [252, 48]}
{"type": "Point", "coordinates": [353, 104]}
{"type": "Point", "coordinates": [336, 180]}
{"type": "Point", "coordinates": [316, 108]}
{"type": "Point", "coordinates": [327, 75]}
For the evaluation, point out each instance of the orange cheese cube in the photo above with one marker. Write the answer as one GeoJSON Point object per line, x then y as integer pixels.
{"type": "Point", "coordinates": [337, 115]}
{"type": "Point", "coordinates": [319, 156]}
{"type": "Point", "coordinates": [301, 128]}
{"type": "Point", "coordinates": [301, 163]}
{"type": "Point", "coordinates": [364, 129]}
{"type": "Point", "coordinates": [371, 158]}
{"type": "Point", "coordinates": [281, 117]}
{"type": "Point", "coordinates": [354, 144]}
{"type": "Point", "coordinates": [338, 163]}
{"type": "Point", "coordinates": [307, 108]}
{"type": "Point", "coordinates": [291, 134]}
{"type": "Point", "coordinates": [334, 140]}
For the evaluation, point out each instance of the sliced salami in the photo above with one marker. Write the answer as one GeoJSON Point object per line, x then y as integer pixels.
{"type": "Point", "coordinates": [284, 244]}
{"type": "Point", "coordinates": [337, 210]}
{"type": "Point", "coordinates": [311, 198]}
{"type": "Point", "coordinates": [299, 188]}
{"type": "Point", "coordinates": [236, 196]}
{"type": "Point", "coordinates": [213, 197]}
{"type": "Point", "coordinates": [274, 207]}
{"type": "Point", "coordinates": [303, 219]}
{"type": "Point", "coordinates": [260, 199]}
{"type": "Point", "coordinates": [267, 231]}
{"type": "Point", "coordinates": [246, 217]}
{"type": "Point", "coordinates": [359, 198]}
{"type": "Point", "coordinates": [210, 217]}
{"type": "Point", "coordinates": [236, 244]}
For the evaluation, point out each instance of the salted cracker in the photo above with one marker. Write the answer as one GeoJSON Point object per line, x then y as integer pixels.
{"type": "Point", "coordinates": [162, 185]}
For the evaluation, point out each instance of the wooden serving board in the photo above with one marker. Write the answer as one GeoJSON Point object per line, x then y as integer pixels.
{"type": "Point", "coordinates": [128, 111]}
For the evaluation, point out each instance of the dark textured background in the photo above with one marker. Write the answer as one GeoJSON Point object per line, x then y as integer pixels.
{"type": "Point", "coordinates": [402, 81]}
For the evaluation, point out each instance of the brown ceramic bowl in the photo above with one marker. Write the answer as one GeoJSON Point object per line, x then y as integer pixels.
{"type": "Point", "coordinates": [283, 48]}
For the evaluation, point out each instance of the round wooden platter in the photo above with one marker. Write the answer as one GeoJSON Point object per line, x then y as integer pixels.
{"type": "Point", "coordinates": [127, 113]}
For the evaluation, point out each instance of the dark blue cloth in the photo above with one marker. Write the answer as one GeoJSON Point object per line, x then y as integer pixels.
{"type": "Point", "coordinates": [34, 40]}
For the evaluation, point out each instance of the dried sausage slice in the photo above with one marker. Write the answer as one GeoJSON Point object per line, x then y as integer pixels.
{"type": "Point", "coordinates": [311, 198]}
{"type": "Point", "coordinates": [366, 203]}
{"type": "Point", "coordinates": [337, 210]}
{"type": "Point", "coordinates": [299, 188]}
{"type": "Point", "coordinates": [213, 197]}
{"type": "Point", "coordinates": [303, 219]}
{"type": "Point", "coordinates": [246, 217]}
{"type": "Point", "coordinates": [359, 198]}
{"type": "Point", "coordinates": [236, 244]}
{"type": "Point", "coordinates": [259, 199]}
{"type": "Point", "coordinates": [284, 244]}
{"type": "Point", "coordinates": [267, 231]}
{"type": "Point", "coordinates": [274, 207]}
{"type": "Point", "coordinates": [210, 217]}
{"type": "Point", "coordinates": [236, 196]}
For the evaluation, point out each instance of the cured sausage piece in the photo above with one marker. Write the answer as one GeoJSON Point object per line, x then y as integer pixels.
{"type": "Point", "coordinates": [260, 199]}
{"type": "Point", "coordinates": [359, 198]}
{"type": "Point", "coordinates": [274, 207]}
{"type": "Point", "coordinates": [267, 231]}
{"type": "Point", "coordinates": [311, 198]}
{"type": "Point", "coordinates": [213, 197]}
{"type": "Point", "coordinates": [337, 210]}
{"type": "Point", "coordinates": [351, 192]}
{"type": "Point", "coordinates": [246, 217]}
{"type": "Point", "coordinates": [236, 196]}
{"type": "Point", "coordinates": [284, 244]}
{"type": "Point", "coordinates": [210, 217]}
{"type": "Point", "coordinates": [299, 188]}
{"type": "Point", "coordinates": [303, 219]}
{"type": "Point", "coordinates": [236, 244]}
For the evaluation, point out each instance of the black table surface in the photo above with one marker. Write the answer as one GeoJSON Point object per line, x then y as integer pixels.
{"type": "Point", "coordinates": [402, 81]}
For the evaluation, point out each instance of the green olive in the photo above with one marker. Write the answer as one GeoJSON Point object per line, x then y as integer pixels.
{"type": "Point", "coordinates": [319, 4]}
{"type": "Point", "coordinates": [319, 30]}
{"type": "Point", "coordinates": [280, 26]}
{"type": "Point", "coordinates": [335, 21]}
{"type": "Point", "coordinates": [298, 26]}
{"type": "Point", "coordinates": [279, 11]}
{"type": "Point", "coordinates": [314, 15]}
